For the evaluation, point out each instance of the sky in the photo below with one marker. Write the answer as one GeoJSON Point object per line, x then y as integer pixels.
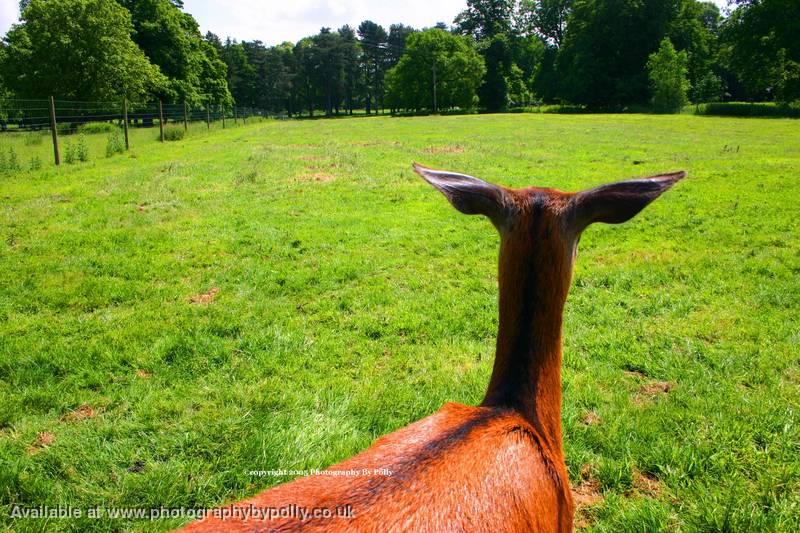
{"type": "Point", "coordinates": [273, 22]}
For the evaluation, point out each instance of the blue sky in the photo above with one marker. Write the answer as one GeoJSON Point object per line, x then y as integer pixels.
{"type": "Point", "coordinates": [290, 20]}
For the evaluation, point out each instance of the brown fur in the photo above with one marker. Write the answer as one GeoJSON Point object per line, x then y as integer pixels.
{"type": "Point", "coordinates": [496, 467]}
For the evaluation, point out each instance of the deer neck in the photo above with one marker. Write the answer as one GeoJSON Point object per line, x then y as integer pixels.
{"type": "Point", "coordinates": [527, 367]}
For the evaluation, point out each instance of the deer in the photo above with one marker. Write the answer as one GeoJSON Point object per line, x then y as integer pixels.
{"type": "Point", "coordinates": [498, 466]}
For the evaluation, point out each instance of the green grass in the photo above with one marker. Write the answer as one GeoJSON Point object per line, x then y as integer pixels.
{"type": "Point", "coordinates": [354, 300]}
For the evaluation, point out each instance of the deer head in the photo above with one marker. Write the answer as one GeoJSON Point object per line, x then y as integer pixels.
{"type": "Point", "coordinates": [539, 232]}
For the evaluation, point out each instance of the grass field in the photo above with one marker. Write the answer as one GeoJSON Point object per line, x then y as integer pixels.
{"type": "Point", "coordinates": [277, 296]}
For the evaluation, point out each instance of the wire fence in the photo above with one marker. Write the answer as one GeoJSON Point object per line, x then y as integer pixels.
{"type": "Point", "coordinates": [62, 117]}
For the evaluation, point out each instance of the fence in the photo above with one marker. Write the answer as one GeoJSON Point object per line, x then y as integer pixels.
{"type": "Point", "coordinates": [62, 117]}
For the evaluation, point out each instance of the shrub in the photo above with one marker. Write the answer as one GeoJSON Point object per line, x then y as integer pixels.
{"type": "Point", "coordinates": [82, 149]}
{"type": "Point", "coordinates": [8, 160]}
{"type": "Point", "coordinates": [70, 153]}
{"type": "Point", "coordinates": [33, 139]}
{"type": "Point", "coordinates": [747, 109]}
{"type": "Point", "coordinates": [709, 88]}
{"type": "Point", "coordinates": [114, 144]}
{"type": "Point", "coordinates": [98, 127]}
{"type": "Point", "coordinates": [667, 70]}
{"type": "Point", "coordinates": [12, 162]}
{"type": "Point", "coordinates": [174, 133]}
{"type": "Point", "coordinates": [65, 128]}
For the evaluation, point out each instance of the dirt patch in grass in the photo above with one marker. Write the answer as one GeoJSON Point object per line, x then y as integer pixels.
{"type": "Point", "coordinates": [316, 176]}
{"type": "Point", "coordinates": [590, 418]}
{"type": "Point", "coordinates": [144, 374]}
{"type": "Point", "coordinates": [656, 388]}
{"type": "Point", "coordinates": [42, 440]}
{"type": "Point", "coordinates": [376, 143]}
{"type": "Point", "coordinates": [137, 467]}
{"type": "Point", "coordinates": [585, 495]}
{"type": "Point", "coordinates": [646, 484]}
{"type": "Point", "coordinates": [446, 149]}
{"type": "Point", "coordinates": [652, 391]}
{"type": "Point", "coordinates": [634, 374]}
{"type": "Point", "coordinates": [83, 412]}
{"type": "Point", "coordinates": [205, 298]}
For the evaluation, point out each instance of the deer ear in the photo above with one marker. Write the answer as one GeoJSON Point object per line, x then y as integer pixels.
{"type": "Point", "coordinates": [469, 195]}
{"type": "Point", "coordinates": [617, 202]}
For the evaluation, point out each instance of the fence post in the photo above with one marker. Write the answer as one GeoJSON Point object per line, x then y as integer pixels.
{"type": "Point", "coordinates": [125, 122]}
{"type": "Point", "coordinates": [223, 117]}
{"type": "Point", "coordinates": [161, 120]}
{"type": "Point", "coordinates": [185, 117]}
{"type": "Point", "coordinates": [244, 115]}
{"type": "Point", "coordinates": [208, 118]}
{"type": "Point", "coordinates": [54, 130]}
{"type": "Point", "coordinates": [235, 118]}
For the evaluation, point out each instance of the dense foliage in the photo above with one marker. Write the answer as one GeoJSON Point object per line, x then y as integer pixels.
{"type": "Point", "coordinates": [77, 49]}
{"type": "Point", "coordinates": [667, 71]}
{"type": "Point", "coordinates": [593, 53]}
{"type": "Point", "coordinates": [435, 55]}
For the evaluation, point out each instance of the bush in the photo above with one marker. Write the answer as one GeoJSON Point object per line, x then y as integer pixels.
{"type": "Point", "coordinates": [114, 144]}
{"type": "Point", "coordinates": [70, 154]}
{"type": "Point", "coordinates": [747, 109]}
{"type": "Point", "coordinates": [13, 163]}
{"type": "Point", "coordinates": [667, 70]}
{"type": "Point", "coordinates": [65, 128]}
{"type": "Point", "coordinates": [33, 139]}
{"type": "Point", "coordinates": [98, 127]}
{"type": "Point", "coordinates": [174, 133]}
{"type": "Point", "coordinates": [82, 149]}
{"type": "Point", "coordinates": [709, 88]}
{"type": "Point", "coordinates": [8, 160]}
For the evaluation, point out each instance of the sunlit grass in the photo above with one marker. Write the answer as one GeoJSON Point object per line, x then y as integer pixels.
{"type": "Point", "coordinates": [353, 300]}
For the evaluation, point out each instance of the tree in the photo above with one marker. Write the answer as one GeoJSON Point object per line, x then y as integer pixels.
{"type": "Point", "coordinates": [667, 71]}
{"type": "Point", "coordinates": [546, 18]}
{"type": "Point", "coordinates": [709, 88]}
{"type": "Point", "coordinates": [172, 40]}
{"type": "Point", "coordinates": [485, 18]}
{"type": "Point", "coordinates": [306, 91]}
{"type": "Point", "coordinates": [458, 71]}
{"type": "Point", "coordinates": [602, 59]}
{"type": "Point", "coordinates": [351, 51]}
{"type": "Point", "coordinates": [240, 74]}
{"type": "Point", "coordinates": [493, 91]}
{"type": "Point", "coordinates": [329, 68]}
{"type": "Point", "coordinates": [528, 54]}
{"type": "Point", "coordinates": [396, 43]}
{"type": "Point", "coordinates": [761, 48]}
{"type": "Point", "coordinates": [78, 50]}
{"type": "Point", "coordinates": [373, 60]}
{"type": "Point", "coordinates": [489, 23]}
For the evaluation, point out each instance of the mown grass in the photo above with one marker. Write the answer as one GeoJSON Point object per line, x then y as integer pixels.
{"type": "Point", "coordinates": [353, 300]}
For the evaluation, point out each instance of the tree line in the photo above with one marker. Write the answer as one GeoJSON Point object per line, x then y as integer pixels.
{"type": "Point", "coordinates": [496, 54]}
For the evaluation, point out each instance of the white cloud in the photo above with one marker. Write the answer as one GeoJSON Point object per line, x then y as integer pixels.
{"type": "Point", "coordinates": [290, 20]}
{"type": "Point", "coordinates": [9, 11]}
{"type": "Point", "coordinates": [275, 21]}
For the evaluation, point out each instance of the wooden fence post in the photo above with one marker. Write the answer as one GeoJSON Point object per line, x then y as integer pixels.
{"type": "Point", "coordinates": [208, 118]}
{"type": "Point", "coordinates": [235, 118]}
{"type": "Point", "coordinates": [125, 122]}
{"type": "Point", "coordinates": [185, 117]}
{"type": "Point", "coordinates": [161, 120]}
{"type": "Point", "coordinates": [54, 130]}
{"type": "Point", "coordinates": [223, 117]}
